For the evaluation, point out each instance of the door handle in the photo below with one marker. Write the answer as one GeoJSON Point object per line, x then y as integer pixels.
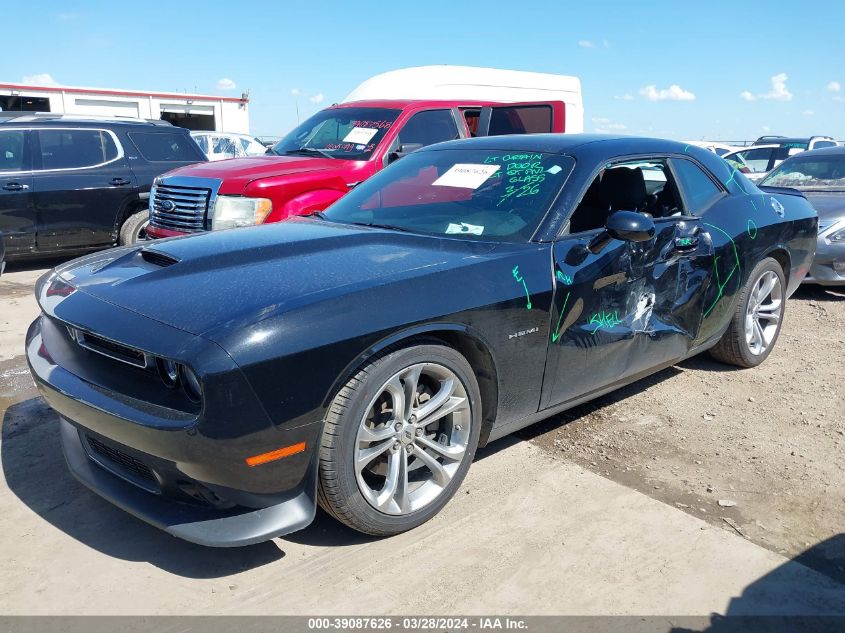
{"type": "Point", "coordinates": [117, 182]}
{"type": "Point", "coordinates": [15, 186]}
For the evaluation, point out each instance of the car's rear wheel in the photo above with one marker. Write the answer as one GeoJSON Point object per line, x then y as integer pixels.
{"type": "Point", "coordinates": [134, 228]}
{"type": "Point", "coordinates": [399, 439]}
{"type": "Point", "coordinates": [756, 323]}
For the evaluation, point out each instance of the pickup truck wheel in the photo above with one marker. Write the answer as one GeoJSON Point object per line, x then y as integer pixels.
{"type": "Point", "coordinates": [756, 322]}
{"type": "Point", "coordinates": [134, 228]}
{"type": "Point", "coordinates": [399, 439]}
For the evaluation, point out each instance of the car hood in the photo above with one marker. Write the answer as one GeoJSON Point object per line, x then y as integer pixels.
{"type": "Point", "coordinates": [238, 172]}
{"type": "Point", "coordinates": [830, 205]}
{"type": "Point", "coordinates": [240, 276]}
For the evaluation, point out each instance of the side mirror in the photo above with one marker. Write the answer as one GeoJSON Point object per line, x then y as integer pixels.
{"type": "Point", "coordinates": [630, 226]}
{"type": "Point", "coordinates": [627, 226]}
{"type": "Point", "coordinates": [404, 150]}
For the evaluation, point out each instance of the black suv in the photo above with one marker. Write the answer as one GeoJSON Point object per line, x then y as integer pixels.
{"type": "Point", "coordinates": [76, 184]}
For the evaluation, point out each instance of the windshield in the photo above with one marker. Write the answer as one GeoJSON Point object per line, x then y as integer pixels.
{"type": "Point", "coordinates": [348, 133]}
{"type": "Point", "coordinates": [490, 195]}
{"type": "Point", "coordinates": [810, 172]}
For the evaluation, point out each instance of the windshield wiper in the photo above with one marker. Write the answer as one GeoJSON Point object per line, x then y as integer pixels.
{"type": "Point", "coordinates": [389, 227]}
{"type": "Point", "coordinates": [309, 150]}
{"type": "Point", "coordinates": [318, 214]}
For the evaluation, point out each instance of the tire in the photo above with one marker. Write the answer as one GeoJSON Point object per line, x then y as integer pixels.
{"type": "Point", "coordinates": [361, 418]}
{"type": "Point", "coordinates": [134, 228]}
{"type": "Point", "coordinates": [742, 344]}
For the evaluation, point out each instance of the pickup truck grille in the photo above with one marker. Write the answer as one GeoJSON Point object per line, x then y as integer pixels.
{"type": "Point", "coordinates": [179, 208]}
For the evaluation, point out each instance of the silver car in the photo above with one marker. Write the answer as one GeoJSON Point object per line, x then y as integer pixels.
{"type": "Point", "coordinates": [820, 175]}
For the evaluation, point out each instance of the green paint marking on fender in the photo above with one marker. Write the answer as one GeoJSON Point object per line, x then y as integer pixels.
{"type": "Point", "coordinates": [519, 278]}
{"type": "Point", "coordinates": [556, 333]}
{"type": "Point", "coordinates": [721, 285]}
{"type": "Point", "coordinates": [752, 229]}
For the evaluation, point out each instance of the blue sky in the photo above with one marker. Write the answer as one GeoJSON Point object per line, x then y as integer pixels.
{"type": "Point", "coordinates": [685, 70]}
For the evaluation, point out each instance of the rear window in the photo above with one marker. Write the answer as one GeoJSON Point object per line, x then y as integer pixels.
{"type": "Point", "coordinates": [166, 146]}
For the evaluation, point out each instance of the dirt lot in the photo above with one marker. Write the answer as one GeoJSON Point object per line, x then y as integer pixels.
{"type": "Point", "coordinates": [626, 487]}
{"type": "Point", "coordinates": [758, 451]}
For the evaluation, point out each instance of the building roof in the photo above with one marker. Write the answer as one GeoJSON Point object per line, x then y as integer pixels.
{"type": "Point", "coordinates": [119, 93]}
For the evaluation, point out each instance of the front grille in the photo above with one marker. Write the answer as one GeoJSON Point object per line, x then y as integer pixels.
{"type": "Point", "coordinates": [120, 459]}
{"type": "Point", "coordinates": [178, 207]}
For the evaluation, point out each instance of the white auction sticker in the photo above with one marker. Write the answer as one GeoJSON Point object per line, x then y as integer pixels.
{"type": "Point", "coordinates": [466, 175]}
{"type": "Point", "coordinates": [360, 135]}
{"type": "Point", "coordinates": [463, 227]}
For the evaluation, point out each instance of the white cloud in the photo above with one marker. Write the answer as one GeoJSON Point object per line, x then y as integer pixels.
{"type": "Point", "coordinates": [605, 43]}
{"type": "Point", "coordinates": [225, 84]}
{"type": "Point", "coordinates": [41, 79]}
{"type": "Point", "coordinates": [626, 97]}
{"type": "Point", "coordinates": [586, 44]}
{"type": "Point", "coordinates": [808, 113]}
{"type": "Point", "coordinates": [839, 98]}
{"type": "Point", "coordinates": [604, 125]}
{"type": "Point", "coordinates": [672, 93]}
{"type": "Point", "coordinates": [766, 128]}
{"type": "Point", "coordinates": [833, 86]}
{"type": "Point", "coordinates": [779, 91]}
{"type": "Point", "coordinates": [295, 92]}
{"type": "Point", "coordinates": [317, 98]}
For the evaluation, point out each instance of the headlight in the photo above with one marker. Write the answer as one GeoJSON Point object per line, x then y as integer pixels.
{"type": "Point", "coordinates": [169, 372]}
{"type": "Point", "coordinates": [233, 211]}
{"type": "Point", "coordinates": [190, 383]}
{"type": "Point", "coordinates": [839, 236]}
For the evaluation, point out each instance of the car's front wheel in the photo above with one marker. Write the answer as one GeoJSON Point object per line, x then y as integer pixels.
{"type": "Point", "coordinates": [757, 320]}
{"type": "Point", "coordinates": [399, 439]}
{"type": "Point", "coordinates": [134, 228]}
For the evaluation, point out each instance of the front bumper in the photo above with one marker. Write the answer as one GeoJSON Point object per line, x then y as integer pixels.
{"type": "Point", "coordinates": [828, 258]}
{"type": "Point", "coordinates": [171, 473]}
{"type": "Point", "coordinates": [156, 232]}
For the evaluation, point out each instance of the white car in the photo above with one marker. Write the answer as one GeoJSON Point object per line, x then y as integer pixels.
{"type": "Point", "coordinates": [756, 161]}
{"type": "Point", "coordinates": [222, 145]}
{"type": "Point", "coordinates": [720, 149]}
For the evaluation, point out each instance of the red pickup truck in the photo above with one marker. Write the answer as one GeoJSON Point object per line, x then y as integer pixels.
{"type": "Point", "coordinates": [324, 157]}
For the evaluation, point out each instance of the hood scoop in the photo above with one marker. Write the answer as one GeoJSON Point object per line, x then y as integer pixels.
{"type": "Point", "coordinates": [157, 258]}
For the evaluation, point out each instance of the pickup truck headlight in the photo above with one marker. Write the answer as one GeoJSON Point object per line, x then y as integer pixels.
{"type": "Point", "coordinates": [233, 211]}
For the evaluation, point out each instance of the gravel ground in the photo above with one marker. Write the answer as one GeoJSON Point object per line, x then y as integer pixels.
{"type": "Point", "coordinates": [757, 451]}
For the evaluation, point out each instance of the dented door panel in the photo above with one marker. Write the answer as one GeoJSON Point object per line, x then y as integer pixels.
{"type": "Point", "coordinates": [630, 307]}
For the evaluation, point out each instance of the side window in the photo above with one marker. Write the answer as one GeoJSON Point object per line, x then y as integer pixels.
{"type": "Point", "coordinates": [72, 149]}
{"type": "Point", "coordinates": [202, 141]}
{"type": "Point", "coordinates": [520, 120]}
{"type": "Point", "coordinates": [699, 188]}
{"type": "Point", "coordinates": [645, 186]}
{"type": "Point", "coordinates": [11, 150]}
{"type": "Point", "coordinates": [472, 116]}
{"type": "Point", "coordinates": [166, 146]}
{"type": "Point", "coordinates": [820, 144]}
{"type": "Point", "coordinates": [429, 127]}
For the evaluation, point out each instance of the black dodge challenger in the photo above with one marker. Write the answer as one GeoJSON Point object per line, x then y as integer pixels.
{"type": "Point", "coordinates": [220, 386]}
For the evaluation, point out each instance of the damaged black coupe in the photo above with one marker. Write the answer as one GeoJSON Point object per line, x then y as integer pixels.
{"type": "Point", "coordinates": [220, 386]}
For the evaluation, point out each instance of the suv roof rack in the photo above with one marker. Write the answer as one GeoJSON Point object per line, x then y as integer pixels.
{"type": "Point", "coordinates": [25, 117]}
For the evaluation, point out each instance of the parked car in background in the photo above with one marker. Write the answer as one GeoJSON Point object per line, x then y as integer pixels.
{"type": "Point", "coordinates": [222, 145]}
{"type": "Point", "coordinates": [758, 160]}
{"type": "Point", "coordinates": [74, 184]}
{"type": "Point", "coordinates": [797, 142]}
{"type": "Point", "coordinates": [820, 176]}
{"type": "Point", "coordinates": [720, 149]}
{"type": "Point", "coordinates": [324, 157]}
{"type": "Point", "coordinates": [220, 387]}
